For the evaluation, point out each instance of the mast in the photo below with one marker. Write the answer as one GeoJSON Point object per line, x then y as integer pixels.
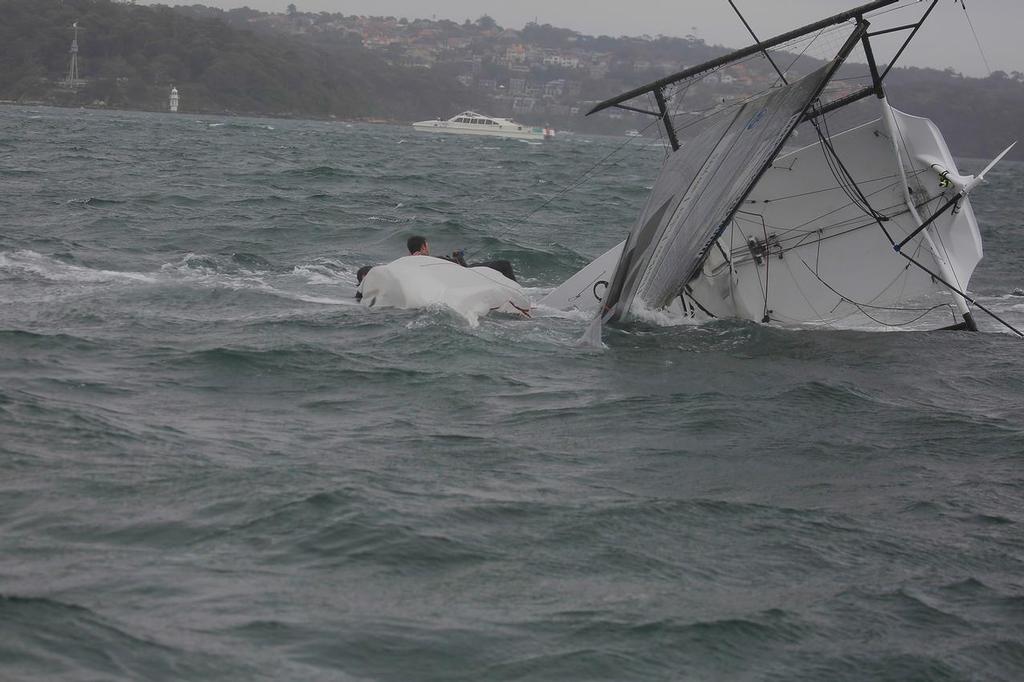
{"type": "Point", "coordinates": [658, 87]}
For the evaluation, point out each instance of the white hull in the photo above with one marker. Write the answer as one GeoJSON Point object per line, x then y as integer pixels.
{"type": "Point", "coordinates": [819, 259]}
{"type": "Point", "coordinates": [425, 281]}
{"type": "Point", "coordinates": [470, 123]}
{"type": "Point", "coordinates": [442, 127]}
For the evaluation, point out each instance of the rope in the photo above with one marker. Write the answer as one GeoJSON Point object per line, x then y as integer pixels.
{"type": "Point", "coordinates": [963, 3]}
{"type": "Point", "coordinates": [568, 188]}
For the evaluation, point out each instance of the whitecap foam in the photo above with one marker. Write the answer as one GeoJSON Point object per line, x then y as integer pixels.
{"type": "Point", "coordinates": [322, 274]}
{"type": "Point", "coordinates": [55, 270]}
{"type": "Point", "coordinates": [663, 317]}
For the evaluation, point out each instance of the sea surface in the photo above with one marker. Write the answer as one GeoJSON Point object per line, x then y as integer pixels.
{"type": "Point", "coordinates": [215, 465]}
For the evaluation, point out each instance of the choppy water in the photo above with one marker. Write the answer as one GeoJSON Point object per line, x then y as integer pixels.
{"type": "Point", "coordinates": [214, 465]}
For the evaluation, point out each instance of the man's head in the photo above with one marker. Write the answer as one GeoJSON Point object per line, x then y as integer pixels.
{"type": "Point", "coordinates": [418, 246]}
{"type": "Point", "coordinates": [361, 273]}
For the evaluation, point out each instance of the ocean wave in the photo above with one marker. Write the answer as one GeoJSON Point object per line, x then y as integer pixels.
{"type": "Point", "coordinates": [53, 639]}
{"type": "Point", "coordinates": [267, 199]}
{"type": "Point", "coordinates": [96, 201]}
{"type": "Point", "coordinates": [325, 272]}
{"type": "Point", "coordinates": [19, 338]}
{"type": "Point", "coordinates": [238, 125]}
{"type": "Point", "coordinates": [54, 270]}
{"type": "Point", "coordinates": [19, 172]}
{"type": "Point", "coordinates": [249, 272]}
{"type": "Point", "coordinates": [320, 172]}
{"type": "Point", "coordinates": [394, 220]}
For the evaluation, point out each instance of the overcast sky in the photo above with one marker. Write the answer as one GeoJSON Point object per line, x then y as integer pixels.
{"type": "Point", "coordinates": [946, 39]}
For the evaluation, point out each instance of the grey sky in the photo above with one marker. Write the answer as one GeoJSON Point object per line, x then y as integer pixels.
{"type": "Point", "coordinates": [946, 39]}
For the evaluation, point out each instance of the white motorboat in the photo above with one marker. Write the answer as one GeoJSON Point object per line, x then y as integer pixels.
{"type": "Point", "coordinates": [472, 123]}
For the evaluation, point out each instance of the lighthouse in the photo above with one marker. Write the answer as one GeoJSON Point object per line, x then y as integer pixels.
{"type": "Point", "coordinates": [174, 100]}
{"type": "Point", "coordinates": [73, 81]}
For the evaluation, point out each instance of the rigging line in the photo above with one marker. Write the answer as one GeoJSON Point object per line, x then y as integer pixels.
{"type": "Point", "coordinates": [803, 240]}
{"type": "Point", "coordinates": [767, 263]}
{"type": "Point", "coordinates": [858, 198]}
{"type": "Point", "coordinates": [714, 111]}
{"type": "Point", "coordinates": [568, 188]}
{"type": "Point", "coordinates": [804, 51]}
{"type": "Point", "coordinates": [757, 270]}
{"type": "Point", "coordinates": [679, 94]}
{"type": "Point", "coordinates": [840, 223]}
{"type": "Point", "coordinates": [895, 8]}
{"type": "Point", "coordinates": [693, 79]}
{"type": "Point", "coordinates": [963, 3]}
{"type": "Point", "coordinates": [739, 254]}
{"type": "Point", "coordinates": [878, 218]}
{"type": "Point", "coordinates": [902, 275]}
{"type": "Point", "coordinates": [827, 140]}
{"type": "Point", "coordinates": [825, 147]}
{"type": "Point", "coordinates": [973, 301]}
{"type": "Point", "coordinates": [803, 295]}
{"type": "Point", "coordinates": [758, 42]}
{"type": "Point", "coordinates": [828, 189]}
{"type": "Point", "coordinates": [932, 233]}
{"type": "Point", "coordinates": [937, 278]}
{"type": "Point", "coordinates": [717, 108]}
{"type": "Point", "coordinates": [861, 306]}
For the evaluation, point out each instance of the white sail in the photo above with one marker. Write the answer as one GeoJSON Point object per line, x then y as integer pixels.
{"type": "Point", "coordinates": [699, 189]}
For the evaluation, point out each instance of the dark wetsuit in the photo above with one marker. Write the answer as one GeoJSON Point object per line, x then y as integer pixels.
{"type": "Point", "coordinates": [502, 266]}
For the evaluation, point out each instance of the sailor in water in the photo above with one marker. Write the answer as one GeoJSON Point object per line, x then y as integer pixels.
{"type": "Point", "coordinates": [360, 274]}
{"type": "Point", "coordinates": [418, 246]}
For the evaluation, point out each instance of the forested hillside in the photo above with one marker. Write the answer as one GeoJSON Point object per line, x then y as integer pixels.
{"type": "Point", "coordinates": [131, 55]}
{"type": "Point", "coordinates": [321, 65]}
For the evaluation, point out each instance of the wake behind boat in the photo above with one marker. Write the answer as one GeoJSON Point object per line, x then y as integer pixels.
{"type": "Point", "coordinates": [472, 123]}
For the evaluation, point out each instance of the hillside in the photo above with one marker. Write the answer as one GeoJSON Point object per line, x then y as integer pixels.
{"type": "Point", "coordinates": [394, 68]}
{"type": "Point", "coordinates": [131, 55]}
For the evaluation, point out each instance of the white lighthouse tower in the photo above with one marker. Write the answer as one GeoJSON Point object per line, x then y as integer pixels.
{"type": "Point", "coordinates": [174, 100]}
{"type": "Point", "coordinates": [73, 80]}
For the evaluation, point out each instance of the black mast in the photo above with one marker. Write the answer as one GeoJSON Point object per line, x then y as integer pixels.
{"type": "Point", "coordinates": [657, 88]}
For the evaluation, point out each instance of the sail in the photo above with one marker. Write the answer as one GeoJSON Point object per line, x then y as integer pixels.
{"type": "Point", "coordinates": [699, 190]}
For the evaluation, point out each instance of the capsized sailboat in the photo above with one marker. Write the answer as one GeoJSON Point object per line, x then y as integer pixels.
{"type": "Point", "coordinates": [871, 227]}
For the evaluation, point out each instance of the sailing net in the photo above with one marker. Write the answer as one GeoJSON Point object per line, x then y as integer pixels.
{"type": "Point", "coordinates": [698, 192]}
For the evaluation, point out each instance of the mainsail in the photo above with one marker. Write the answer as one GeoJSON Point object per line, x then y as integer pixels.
{"type": "Point", "coordinates": [701, 187]}
{"type": "Point", "coordinates": [699, 190]}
